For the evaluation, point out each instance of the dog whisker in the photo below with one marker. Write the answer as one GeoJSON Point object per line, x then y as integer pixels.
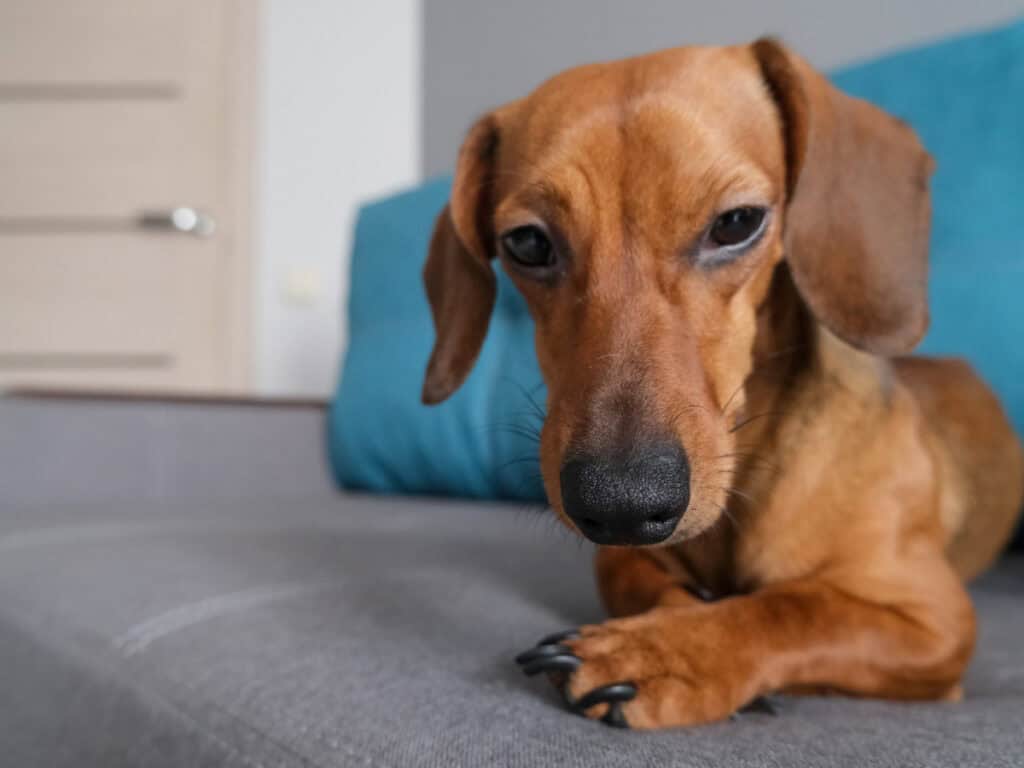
{"type": "Point", "coordinates": [739, 458]}
{"type": "Point", "coordinates": [725, 406]}
{"type": "Point", "coordinates": [724, 510]}
{"type": "Point", "coordinates": [762, 366]}
{"type": "Point", "coordinates": [740, 494]}
{"type": "Point", "coordinates": [518, 429]}
{"type": "Point", "coordinates": [677, 415]}
{"type": "Point", "coordinates": [536, 409]}
{"type": "Point", "coordinates": [744, 422]}
{"type": "Point", "coordinates": [520, 460]}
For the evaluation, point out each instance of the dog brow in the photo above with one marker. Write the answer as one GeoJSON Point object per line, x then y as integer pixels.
{"type": "Point", "coordinates": [546, 198]}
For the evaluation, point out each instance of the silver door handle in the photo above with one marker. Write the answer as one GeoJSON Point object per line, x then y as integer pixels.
{"type": "Point", "coordinates": [183, 219]}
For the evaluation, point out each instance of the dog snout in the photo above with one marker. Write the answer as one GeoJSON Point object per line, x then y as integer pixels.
{"type": "Point", "coordinates": [632, 499]}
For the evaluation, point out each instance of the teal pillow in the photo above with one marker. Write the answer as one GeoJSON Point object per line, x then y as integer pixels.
{"type": "Point", "coordinates": [966, 99]}
{"type": "Point", "coordinates": [481, 442]}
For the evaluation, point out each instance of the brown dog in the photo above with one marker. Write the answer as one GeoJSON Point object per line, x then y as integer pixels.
{"type": "Point", "coordinates": [724, 257]}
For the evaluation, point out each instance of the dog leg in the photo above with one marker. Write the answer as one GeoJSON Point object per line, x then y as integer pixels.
{"type": "Point", "coordinates": [633, 581]}
{"type": "Point", "coordinates": [689, 664]}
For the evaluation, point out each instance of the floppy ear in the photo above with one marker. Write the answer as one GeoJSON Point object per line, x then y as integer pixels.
{"type": "Point", "coordinates": [460, 282]}
{"type": "Point", "coordinates": [858, 218]}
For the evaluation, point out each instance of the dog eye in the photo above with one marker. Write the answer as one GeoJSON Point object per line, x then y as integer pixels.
{"type": "Point", "coordinates": [528, 247]}
{"type": "Point", "coordinates": [736, 226]}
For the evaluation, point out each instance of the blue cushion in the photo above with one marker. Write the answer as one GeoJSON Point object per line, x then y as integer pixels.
{"type": "Point", "coordinates": [481, 442]}
{"type": "Point", "coordinates": [966, 99]}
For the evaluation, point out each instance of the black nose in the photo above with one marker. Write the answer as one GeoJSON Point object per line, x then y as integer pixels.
{"type": "Point", "coordinates": [632, 499]}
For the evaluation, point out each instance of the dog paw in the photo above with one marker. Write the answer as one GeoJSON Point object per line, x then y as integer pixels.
{"type": "Point", "coordinates": [624, 674]}
{"type": "Point", "coordinates": [552, 656]}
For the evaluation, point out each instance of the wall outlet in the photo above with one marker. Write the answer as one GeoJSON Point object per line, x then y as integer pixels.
{"type": "Point", "coordinates": [303, 286]}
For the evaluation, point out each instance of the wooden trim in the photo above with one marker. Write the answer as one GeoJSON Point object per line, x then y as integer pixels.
{"type": "Point", "coordinates": [160, 397]}
{"type": "Point", "coordinates": [71, 91]}
{"type": "Point", "coordinates": [242, 74]}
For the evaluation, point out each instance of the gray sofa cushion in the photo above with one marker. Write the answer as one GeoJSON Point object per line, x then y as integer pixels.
{"type": "Point", "coordinates": [349, 631]}
{"type": "Point", "coordinates": [65, 449]}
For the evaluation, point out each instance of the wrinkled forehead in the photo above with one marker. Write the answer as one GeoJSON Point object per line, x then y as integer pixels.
{"type": "Point", "coordinates": [689, 117]}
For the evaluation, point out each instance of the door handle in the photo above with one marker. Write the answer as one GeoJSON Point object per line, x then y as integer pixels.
{"type": "Point", "coordinates": [183, 219]}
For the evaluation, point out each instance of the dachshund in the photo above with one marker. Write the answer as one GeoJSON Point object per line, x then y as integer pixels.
{"type": "Point", "coordinates": [726, 261]}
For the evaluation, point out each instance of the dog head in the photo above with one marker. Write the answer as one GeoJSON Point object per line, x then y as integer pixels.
{"type": "Point", "coordinates": [642, 207]}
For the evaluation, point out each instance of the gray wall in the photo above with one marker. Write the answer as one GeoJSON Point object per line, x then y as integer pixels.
{"type": "Point", "coordinates": [479, 53]}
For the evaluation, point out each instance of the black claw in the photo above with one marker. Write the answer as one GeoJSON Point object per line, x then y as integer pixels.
{"type": "Point", "coordinates": [542, 652]}
{"type": "Point", "coordinates": [565, 662]}
{"type": "Point", "coordinates": [759, 706]}
{"type": "Point", "coordinates": [616, 693]}
{"type": "Point", "coordinates": [703, 594]}
{"type": "Point", "coordinates": [762, 706]}
{"type": "Point", "coordinates": [614, 717]}
{"type": "Point", "coordinates": [553, 656]}
{"type": "Point", "coordinates": [557, 637]}
{"type": "Point", "coordinates": [570, 702]}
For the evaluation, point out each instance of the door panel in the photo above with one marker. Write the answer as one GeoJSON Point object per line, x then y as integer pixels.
{"type": "Point", "coordinates": [119, 158]}
{"type": "Point", "coordinates": [111, 301]}
{"type": "Point", "coordinates": [50, 42]}
{"type": "Point", "coordinates": [108, 109]}
{"type": "Point", "coordinates": [100, 294]}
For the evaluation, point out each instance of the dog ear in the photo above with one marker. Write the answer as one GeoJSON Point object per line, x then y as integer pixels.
{"type": "Point", "coordinates": [460, 282]}
{"type": "Point", "coordinates": [857, 223]}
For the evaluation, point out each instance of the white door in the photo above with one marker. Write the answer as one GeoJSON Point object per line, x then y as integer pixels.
{"type": "Point", "coordinates": [124, 159]}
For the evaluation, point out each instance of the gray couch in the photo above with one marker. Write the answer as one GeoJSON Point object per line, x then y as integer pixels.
{"type": "Point", "coordinates": [181, 586]}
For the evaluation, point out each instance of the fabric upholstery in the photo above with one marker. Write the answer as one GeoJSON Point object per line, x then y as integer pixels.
{"type": "Point", "coordinates": [352, 631]}
{"type": "Point", "coordinates": [187, 623]}
{"type": "Point", "coordinates": [56, 450]}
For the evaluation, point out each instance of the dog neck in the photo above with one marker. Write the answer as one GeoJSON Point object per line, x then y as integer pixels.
{"type": "Point", "coordinates": [796, 363]}
{"type": "Point", "coordinates": [792, 353]}
{"type": "Point", "coordinates": [785, 351]}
